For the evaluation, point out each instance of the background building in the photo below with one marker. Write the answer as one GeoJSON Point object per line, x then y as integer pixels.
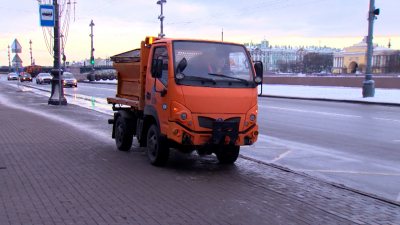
{"type": "Point", "coordinates": [353, 59]}
{"type": "Point", "coordinates": [274, 56]}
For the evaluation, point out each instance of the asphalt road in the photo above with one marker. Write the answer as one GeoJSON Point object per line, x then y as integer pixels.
{"type": "Point", "coordinates": [357, 145]}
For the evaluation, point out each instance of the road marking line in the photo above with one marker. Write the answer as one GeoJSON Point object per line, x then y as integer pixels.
{"type": "Point", "coordinates": [281, 155]}
{"type": "Point", "coordinates": [354, 172]}
{"type": "Point", "coordinates": [262, 147]}
{"type": "Point", "coordinates": [307, 111]}
{"type": "Point", "coordinates": [397, 140]}
{"type": "Point", "coordinates": [376, 118]}
{"type": "Point", "coordinates": [398, 198]}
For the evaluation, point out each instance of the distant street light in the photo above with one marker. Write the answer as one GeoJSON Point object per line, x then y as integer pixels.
{"type": "Point", "coordinates": [30, 43]}
{"type": "Point", "coordinates": [161, 17]}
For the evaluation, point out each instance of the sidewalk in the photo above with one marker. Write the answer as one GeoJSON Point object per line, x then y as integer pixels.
{"type": "Point", "coordinates": [58, 165]}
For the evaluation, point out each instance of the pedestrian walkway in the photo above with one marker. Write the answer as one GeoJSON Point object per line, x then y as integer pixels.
{"type": "Point", "coordinates": [59, 166]}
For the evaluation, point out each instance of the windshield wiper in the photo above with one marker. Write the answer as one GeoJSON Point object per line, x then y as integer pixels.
{"type": "Point", "coordinates": [223, 75]}
{"type": "Point", "coordinates": [202, 78]}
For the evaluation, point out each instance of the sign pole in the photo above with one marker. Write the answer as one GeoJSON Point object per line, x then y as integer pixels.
{"type": "Point", "coordinates": [57, 91]}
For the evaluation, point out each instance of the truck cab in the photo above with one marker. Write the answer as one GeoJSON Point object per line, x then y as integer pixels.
{"type": "Point", "coordinates": [192, 95]}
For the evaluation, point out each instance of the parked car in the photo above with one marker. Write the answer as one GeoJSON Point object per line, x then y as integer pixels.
{"type": "Point", "coordinates": [25, 77]}
{"type": "Point", "coordinates": [69, 79]}
{"type": "Point", "coordinates": [43, 78]}
{"type": "Point", "coordinates": [12, 76]}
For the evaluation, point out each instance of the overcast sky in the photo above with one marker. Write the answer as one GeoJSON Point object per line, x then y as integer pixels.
{"type": "Point", "coordinates": [121, 24]}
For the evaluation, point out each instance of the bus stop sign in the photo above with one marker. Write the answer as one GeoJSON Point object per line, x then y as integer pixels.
{"type": "Point", "coordinates": [46, 14]}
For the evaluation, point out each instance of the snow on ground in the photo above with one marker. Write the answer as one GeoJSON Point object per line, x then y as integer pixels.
{"type": "Point", "coordinates": [335, 93]}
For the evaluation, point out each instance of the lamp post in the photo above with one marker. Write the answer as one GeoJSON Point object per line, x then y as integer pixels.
{"type": "Point", "coordinates": [368, 84]}
{"type": "Point", "coordinates": [62, 50]}
{"type": "Point", "coordinates": [9, 62]}
{"type": "Point", "coordinates": [30, 48]}
{"type": "Point", "coordinates": [161, 17]}
{"type": "Point", "coordinates": [57, 92]}
{"type": "Point", "coordinates": [91, 76]}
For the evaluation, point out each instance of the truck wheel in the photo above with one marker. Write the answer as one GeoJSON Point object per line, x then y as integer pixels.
{"type": "Point", "coordinates": [229, 154]}
{"type": "Point", "coordinates": [157, 147]}
{"type": "Point", "coordinates": [123, 139]}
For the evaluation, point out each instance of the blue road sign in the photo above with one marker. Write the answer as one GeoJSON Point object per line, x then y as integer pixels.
{"type": "Point", "coordinates": [46, 15]}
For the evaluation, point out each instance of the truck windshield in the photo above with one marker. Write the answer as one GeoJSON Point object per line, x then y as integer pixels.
{"type": "Point", "coordinates": [213, 64]}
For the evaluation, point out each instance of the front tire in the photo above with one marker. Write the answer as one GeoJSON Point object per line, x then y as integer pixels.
{"type": "Point", "coordinates": [123, 138]}
{"type": "Point", "coordinates": [157, 147]}
{"type": "Point", "coordinates": [228, 154]}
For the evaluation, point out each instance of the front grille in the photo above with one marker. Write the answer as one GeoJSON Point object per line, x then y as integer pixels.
{"type": "Point", "coordinates": [206, 122]}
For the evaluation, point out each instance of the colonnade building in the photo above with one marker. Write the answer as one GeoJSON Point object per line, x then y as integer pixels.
{"type": "Point", "coordinates": [354, 59]}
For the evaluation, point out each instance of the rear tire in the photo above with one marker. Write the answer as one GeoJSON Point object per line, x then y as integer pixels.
{"type": "Point", "coordinates": [123, 138]}
{"type": "Point", "coordinates": [157, 147]}
{"type": "Point", "coordinates": [229, 154]}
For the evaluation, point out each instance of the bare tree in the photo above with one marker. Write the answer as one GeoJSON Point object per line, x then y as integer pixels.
{"type": "Point", "coordinates": [282, 65]}
{"type": "Point", "coordinates": [317, 62]}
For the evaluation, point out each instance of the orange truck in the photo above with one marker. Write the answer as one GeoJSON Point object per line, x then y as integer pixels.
{"type": "Point", "coordinates": [188, 95]}
{"type": "Point", "coordinates": [34, 70]}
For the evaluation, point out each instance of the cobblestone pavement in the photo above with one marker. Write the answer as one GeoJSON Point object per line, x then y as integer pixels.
{"type": "Point", "coordinates": [58, 165]}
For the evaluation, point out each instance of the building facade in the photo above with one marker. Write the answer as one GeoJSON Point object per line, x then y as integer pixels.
{"type": "Point", "coordinates": [272, 56]}
{"type": "Point", "coordinates": [354, 59]}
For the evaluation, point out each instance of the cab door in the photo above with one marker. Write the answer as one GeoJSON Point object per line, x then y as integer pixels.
{"type": "Point", "coordinates": [156, 90]}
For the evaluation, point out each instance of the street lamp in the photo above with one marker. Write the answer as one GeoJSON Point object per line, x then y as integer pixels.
{"type": "Point", "coordinates": [9, 62]}
{"type": "Point", "coordinates": [368, 84]}
{"type": "Point", "coordinates": [161, 17]}
{"type": "Point", "coordinates": [57, 91]}
{"type": "Point", "coordinates": [30, 43]}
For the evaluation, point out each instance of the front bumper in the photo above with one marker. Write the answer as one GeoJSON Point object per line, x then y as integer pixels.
{"type": "Point", "coordinates": [218, 135]}
{"type": "Point", "coordinates": [46, 80]}
{"type": "Point", "coordinates": [69, 83]}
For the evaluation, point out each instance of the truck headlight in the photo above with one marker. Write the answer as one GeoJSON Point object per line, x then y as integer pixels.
{"type": "Point", "coordinates": [252, 117]}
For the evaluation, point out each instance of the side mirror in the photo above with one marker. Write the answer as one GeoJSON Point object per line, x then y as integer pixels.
{"type": "Point", "coordinates": [258, 67]}
{"type": "Point", "coordinates": [181, 65]}
{"type": "Point", "coordinates": [156, 71]}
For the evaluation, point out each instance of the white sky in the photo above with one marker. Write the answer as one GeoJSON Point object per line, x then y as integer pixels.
{"type": "Point", "coordinates": [121, 24]}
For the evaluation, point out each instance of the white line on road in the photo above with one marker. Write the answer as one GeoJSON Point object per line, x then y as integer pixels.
{"type": "Point", "coordinates": [392, 120]}
{"type": "Point", "coordinates": [325, 113]}
{"type": "Point", "coordinates": [306, 111]}
{"type": "Point", "coordinates": [397, 140]}
{"type": "Point", "coordinates": [97, 88]}
{"type": "Point", "coordinates": [281, 155]}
